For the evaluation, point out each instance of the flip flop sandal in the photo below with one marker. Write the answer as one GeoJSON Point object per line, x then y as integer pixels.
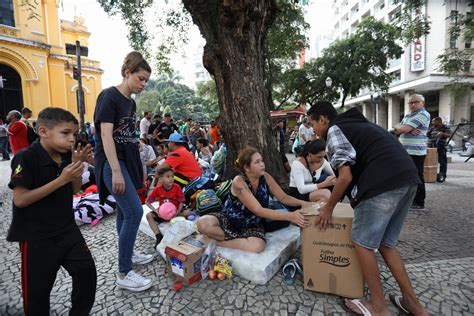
{"type": "Point", "coordinates": [297, 266]}
{"type": "Point", "coordinates": [289, 272]}
{"type": "Point", "coordinates": [397, 301]}
{"type": "Point", "coordinates": [359, 305]}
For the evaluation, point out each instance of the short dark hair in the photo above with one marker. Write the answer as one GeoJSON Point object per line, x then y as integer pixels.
{"type": "Point", "coordinates": [189, 119]}
{"type": "Point", "coordinates": [203, 141]}
{"type": "Point", "coordinates": [164, 170]}
{"type": "Point", "coordinates": [167, 114]}
{"type": "Point", "coordinates": [313, 147]}
{"type": "Point", "coordinates": [322, 108]}
{"type": "Point", "coordinates": [145, 113]}
{"type": "Point", "coordinates": [26, 111]}
{"type": "Point", "coordinates": [157, 116]}
{"type": "Point", "coordinates": [438, 119]}
{"type": "Point", "coordinates": [51, 116]}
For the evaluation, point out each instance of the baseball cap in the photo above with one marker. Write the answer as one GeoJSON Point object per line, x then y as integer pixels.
{"type": "Point", "coordinates": [167, 211]}
{"type": "Point", "coordinates": [175, 138]}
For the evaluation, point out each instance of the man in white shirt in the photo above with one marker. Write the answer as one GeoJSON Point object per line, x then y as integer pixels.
{"type": "Point", "coordinates": [144, 125]}
{"type": "Point", "coordinates": [305, 132]}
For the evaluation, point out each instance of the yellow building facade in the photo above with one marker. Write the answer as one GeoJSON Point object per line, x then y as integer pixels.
{"type": "Point", "coordinates": [35, 70]}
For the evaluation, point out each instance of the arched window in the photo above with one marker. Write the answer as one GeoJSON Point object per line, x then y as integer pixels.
{"type": "Point", "coordinates": [6, 13]}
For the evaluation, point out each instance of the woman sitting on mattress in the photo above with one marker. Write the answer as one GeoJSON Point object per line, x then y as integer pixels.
{"type": "Point", "coordinates": [240, 224]}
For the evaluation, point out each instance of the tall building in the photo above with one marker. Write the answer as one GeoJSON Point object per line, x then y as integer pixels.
{"type": "Point", "coordinates": [416, 71]}
{"type": "Point", "coordinates": [35, 70]}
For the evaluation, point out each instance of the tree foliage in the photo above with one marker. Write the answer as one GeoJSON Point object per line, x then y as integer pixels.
{"type": "Point", "coordinates": [207, 94]}
{"type": "Point", "coordinates": [356, 62]}
{"type": "Point", "coordinates": [414, 23]}
{"type": "Point", "coordinates": [286, 38]}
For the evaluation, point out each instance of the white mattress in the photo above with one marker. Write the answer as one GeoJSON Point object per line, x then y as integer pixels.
{"type": "Point", "coordinates": [257, 268]}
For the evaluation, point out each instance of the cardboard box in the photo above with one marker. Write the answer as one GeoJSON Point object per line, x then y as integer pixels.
{"type": "Point", "coordinates": [430, 173]}
{"type": "Point", "coordinates": [431, 158]}
{"type": "Point", "coordinates": [184, 258]}
{"type": "Point", "coordinates": [329, 258]}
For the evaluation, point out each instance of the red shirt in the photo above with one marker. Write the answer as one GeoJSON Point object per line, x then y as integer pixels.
{"type": "Point", "coordinates": [214, 135]}
{"type": "Point", "coordinates": [19, 139]}
{"type": "Point", "coordinates": [183, 162]}
{"type": "Point", "coordinates": [174, 195]}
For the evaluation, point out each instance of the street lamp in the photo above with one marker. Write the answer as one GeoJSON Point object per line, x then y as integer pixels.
{"type": "Point", "coordinates": [328, 82]}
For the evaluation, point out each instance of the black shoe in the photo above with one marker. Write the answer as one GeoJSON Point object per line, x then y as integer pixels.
{"type": "Point", "coordinates": [158, 237]}
{"type": "Point", "coordinates": [415, 207]}
{"type": "Point", "coordinates": [440, 178]}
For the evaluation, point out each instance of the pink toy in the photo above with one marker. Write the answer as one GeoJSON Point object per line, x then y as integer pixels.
{"type": "Point", "coordinates": [167, 211]}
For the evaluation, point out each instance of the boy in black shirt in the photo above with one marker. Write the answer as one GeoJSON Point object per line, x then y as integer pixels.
{"type": "Point", "coordinates": [44, 178]}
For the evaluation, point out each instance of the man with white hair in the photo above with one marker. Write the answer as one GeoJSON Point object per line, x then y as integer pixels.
{"type": "Point", "coordinates": [412, 130]}
{"type": "Point", "coordinates": [17, 131]}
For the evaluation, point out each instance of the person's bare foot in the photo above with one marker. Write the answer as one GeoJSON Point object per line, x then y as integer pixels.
{"type": "Point", "coordinates": [382, 311]}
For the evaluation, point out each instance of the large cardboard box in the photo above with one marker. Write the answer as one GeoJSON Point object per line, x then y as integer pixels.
{"type": "Point", "coordinates": [329, 258]}
{"type": "Point", "coordinates": [431, 158]}
{"type": "Point", "coordinates": [184, 258]}
{"type": "Point", "coordinates": [430, 173]}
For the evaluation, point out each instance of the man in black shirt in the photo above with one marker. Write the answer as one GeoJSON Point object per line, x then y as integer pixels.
{"type": "Point", "coordinates": [44, 178]}
{"type": "Point", "coordinates": [166, 128]}
{"type": "Point", "coordinates": [151, 130]}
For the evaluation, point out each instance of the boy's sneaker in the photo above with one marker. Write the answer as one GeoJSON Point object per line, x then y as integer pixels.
{"type": "Point", "coordinates": [158, 237]}
{"type": "Point", "coordinates": [139, 258]}
{"type": "Point", "coordinates": [415, 207]}
{"type": "Point", "coordinates": [133, 282]}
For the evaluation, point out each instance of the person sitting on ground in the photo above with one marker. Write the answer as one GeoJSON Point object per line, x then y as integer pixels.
{"type": "Point", "coordinates": [147, 156]}
{"type": "Point", "coordinates": [181, 160]}
{"type": "Point", "coordinates": [171, 199]}
{"type": "Point", "coordinates": [311, 174]}
{"type": "Point", "coordinates": [162, 150]}
{"type": "Point", "coordinates": [240, 225]}
{"type": "Point", "coordinates": [204, 152]}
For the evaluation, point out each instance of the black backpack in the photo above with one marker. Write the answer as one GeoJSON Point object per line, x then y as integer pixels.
{"type": "Point", "coordinates": [32, 136]}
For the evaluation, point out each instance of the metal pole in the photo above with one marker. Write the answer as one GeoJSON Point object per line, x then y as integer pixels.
{"type": "Point", "coordinates": [80, 94]}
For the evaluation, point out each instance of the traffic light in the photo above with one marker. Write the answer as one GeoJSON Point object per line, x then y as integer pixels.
{"type": "Point", "coordinates": [75, 73]}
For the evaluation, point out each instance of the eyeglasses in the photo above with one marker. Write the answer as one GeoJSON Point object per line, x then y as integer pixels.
{"type": "Point", "coordinates": [414, 102]}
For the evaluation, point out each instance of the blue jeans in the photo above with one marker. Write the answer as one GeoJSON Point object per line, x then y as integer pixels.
{"type": "Point", "coordinates": [4, 147]}
{"type": "Point", "coordinates": [379, 220]}
{"type": "Point", "coordinates": [129, 215]}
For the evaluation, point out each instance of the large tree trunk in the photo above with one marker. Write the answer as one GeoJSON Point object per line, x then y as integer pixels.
{"type": "Point", "coordinates": [235, 32]}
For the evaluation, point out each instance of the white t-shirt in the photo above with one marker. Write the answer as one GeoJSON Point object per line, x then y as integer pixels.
{"type": "Point", "coordinates": [144, 125]}
{"type": "Point", "coordinates": [301, 178]}
{"type": "Point", "coordinates": [307, 132]}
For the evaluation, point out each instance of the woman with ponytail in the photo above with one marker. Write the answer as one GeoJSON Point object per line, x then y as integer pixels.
{"type": "Point", "coordinates": [311, 175]}
{"type": "Point", "coordinates": [240, 225]}
{"type": "Point", "coordinates": [118, 166]}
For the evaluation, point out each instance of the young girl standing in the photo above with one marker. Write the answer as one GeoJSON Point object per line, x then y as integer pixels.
{"type": "Point", "coordinates": [118, 167]}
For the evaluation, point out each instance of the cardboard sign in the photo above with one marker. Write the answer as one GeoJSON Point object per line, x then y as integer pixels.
{"type": "Point", "coordinates": [184, 258]}
{"type": "Point", "coordinates": [329, 258]}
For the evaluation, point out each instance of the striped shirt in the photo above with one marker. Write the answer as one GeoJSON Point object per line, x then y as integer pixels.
{"type": "Point", "coordinates": [416, 144]}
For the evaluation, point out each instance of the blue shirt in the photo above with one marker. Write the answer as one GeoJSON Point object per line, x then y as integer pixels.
{"type": "Point", "coordinates": [416, 144]}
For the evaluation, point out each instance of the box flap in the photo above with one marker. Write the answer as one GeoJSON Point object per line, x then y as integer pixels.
{"type": "Point", "coordinates": [342, 210]}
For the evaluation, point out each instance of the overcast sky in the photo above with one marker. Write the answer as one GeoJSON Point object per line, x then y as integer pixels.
{"type": "Point", "coordinates": [108, 42]}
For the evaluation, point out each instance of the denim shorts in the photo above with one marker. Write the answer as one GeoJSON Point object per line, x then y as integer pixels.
{"type": "Point", "coordinates": [379, 220]}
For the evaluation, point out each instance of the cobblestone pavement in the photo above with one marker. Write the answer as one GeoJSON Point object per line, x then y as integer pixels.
{"type": "Point", "coordinates": [437, 245]}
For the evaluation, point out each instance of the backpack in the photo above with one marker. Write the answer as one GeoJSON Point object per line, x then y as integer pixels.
{"type": "Point", "coordinates": [31, 133]}
{"type": "Point", "coordinates": [207, 202]}
{"type": "Point", "coordinates": [223, 189]}
{"type": "Point", "coordinates": [200, 183]}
